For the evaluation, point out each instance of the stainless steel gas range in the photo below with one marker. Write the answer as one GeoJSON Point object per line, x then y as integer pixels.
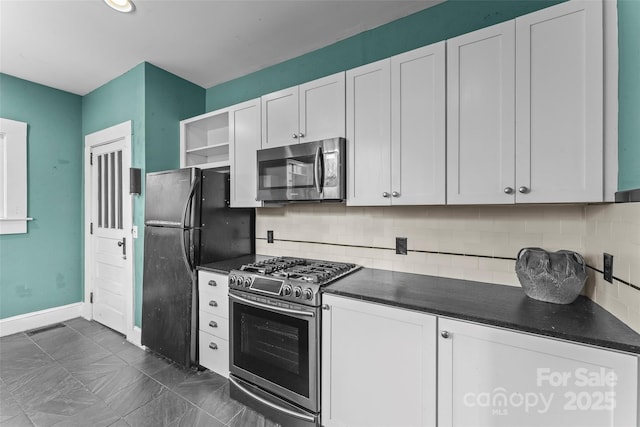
{"type": "Point", "coordinates": [274, 310]}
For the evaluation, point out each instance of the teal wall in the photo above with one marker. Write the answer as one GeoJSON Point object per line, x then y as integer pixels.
{"type": "Point", "coordinates": [446, 20]}
{"type": "Point", "coordinates": [155, 101]}
{"type": "Point", "coordinates": [168, 99]}
{"type": "Point", "coordinates": [629, 94]}
{"type": "Point", "coordinates": [42, 268]}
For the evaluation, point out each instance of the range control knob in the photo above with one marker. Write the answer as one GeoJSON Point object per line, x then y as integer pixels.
{"type": "Point", "coordinates": [297, 292]}
{"type": "Point", "coordinates": [308, 294]}
{"type": "Point", "coordinates": [232, 280]}
{"type": "Point", "coordinates": [286, 290]}
{"type": "Point", "coordinates": [247, 282]}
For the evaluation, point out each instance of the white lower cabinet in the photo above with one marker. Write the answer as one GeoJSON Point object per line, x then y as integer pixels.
{"type": "Point", "coordinates": [378, 365]}
{"type": "Point", "coordinates": [213, 322]}
{"type": "Point", "coordinates": [494, 377]}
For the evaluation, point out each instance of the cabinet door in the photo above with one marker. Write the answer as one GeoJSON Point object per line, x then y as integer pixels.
{"type": "Point", "coordinates": [493, 377]}
{"type": "Point", "coordinates": [378, 365]}
{"type": "Point", "coordinates": [418, 145]}
{"type": "Point", "coordinates": [369, 134]}
{"type": "Point", "coordinates": [480, 116]}
{"type": "Point", "coordinates": [559, 122]}
{"type": "Point", "coordinates": [246, 142]}
{"type": "Point", "coordinates": [322, 108]}
{"type": "Point", "coordinates": [280, 118]}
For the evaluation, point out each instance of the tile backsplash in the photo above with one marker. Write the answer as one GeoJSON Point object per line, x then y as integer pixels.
{"type": "Point", "coordinates": [476, 243]}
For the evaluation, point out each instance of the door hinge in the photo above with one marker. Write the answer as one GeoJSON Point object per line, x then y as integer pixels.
{"type": "Point", "coordinates": [91, 298]}
{"type": "Point", "coordinates": [91, 159]}
{"type": "Point", "coordinates": [91, 228]}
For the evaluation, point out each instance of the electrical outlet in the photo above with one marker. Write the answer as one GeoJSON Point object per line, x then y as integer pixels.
{"type": "Point", "coordinates": [608, 267]}
{"type": "Point", "coordinates": [269, 236]}
{"type": "Point", "coordinates": [401, 245]}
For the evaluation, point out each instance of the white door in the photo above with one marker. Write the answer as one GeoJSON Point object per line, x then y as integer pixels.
{"type": "Point", "coordinates": [480, 116]}
{"type": "Point", "coordinates": [418, 124]}
{"type": "Point", "coordinates": [322, 108]}
{"type": "Point", "coordinates": [109, 267]}
{"type": "Point", "coordinates": [369, 134]}
{"type": "Point", "coordinates": [494, 377]}
{"type": "Point", "coordinates": [559, 106]}
{"type": "Point", "coordinates": [378, 365]}
{"type": "Point", "coordinates": [280, 118]}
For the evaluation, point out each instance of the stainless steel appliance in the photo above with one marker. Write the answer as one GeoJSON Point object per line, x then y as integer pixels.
{"type": "Point", "coordinates": [187, 223]}
{"type": "Point", "coordinates": [274, 311]}
{"type": "Point", "coordinates": [311, 171]}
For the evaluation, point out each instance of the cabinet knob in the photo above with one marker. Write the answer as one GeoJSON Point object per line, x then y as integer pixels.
{"type": "Point", "coordinates": [213, 303]}
{"type": "Point", "coordinates": [301, 135]}
{"type": "Point", "coordinates": [395, 194]}
{"type": "Point", "coordinates": [523, 190]}
{"type": "Point", "coordinates": [294, 136]}
{"type": "Point", "coordinates": [444, 334]}
{"type": "Point", "coordinates": [508, 190]}
{"type": "Point", "coordinates": [213, 346]}
{"type": "Point", "coordinates": [325, 306]}
{"type": "Point", "coordinates": [385, 194]}
{"type": "Point", "coordinates": [212, 283]}
{"type": "Point", "coordinates": [213, 324]}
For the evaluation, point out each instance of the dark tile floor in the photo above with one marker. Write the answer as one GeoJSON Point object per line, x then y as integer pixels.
{"type": "Point", "coordinates": [81, 373]}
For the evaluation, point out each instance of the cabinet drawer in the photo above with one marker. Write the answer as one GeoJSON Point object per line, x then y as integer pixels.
{"type": "Point", "coordinates": [214, 353]}
{"type": "Point", "coordinates": [214, 325]}
{"type": "Point", "coordinates": [213, 282]}
{"type": "Point", "coordinates": [214, 303]}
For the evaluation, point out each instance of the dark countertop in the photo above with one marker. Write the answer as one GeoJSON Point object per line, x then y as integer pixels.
{"type": "Point", "coordinates": [225, 266]}
{"type": "Point", "coordinates": [583, 321]}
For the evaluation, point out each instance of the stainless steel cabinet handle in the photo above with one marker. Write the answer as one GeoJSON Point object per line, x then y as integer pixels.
{"type": "Point", "coordinates": [213, 346]}
{"type": "Point", "coordinates": [508, 190]}
{"type": "Point", "coordinates": [294, 136]}
{"type": "Point", "coordinates": [523, 190]}
{"type": "Point", "coordinates": [445, 334]}
{"type": "Point", "coordinates": [213, 303]}
{"type": "Point", "coordinates": [212, 283]}
{"type": "Point", "coordinates": [213, 324]}
{"type": "Point", "coordinates": [385, 194]}
{"type": "Point", "coordinates": [395, 194]}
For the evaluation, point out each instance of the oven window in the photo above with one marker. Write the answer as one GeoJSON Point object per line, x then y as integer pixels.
{"type": "Point", "coordinates": [286, 173]}
{"type": "Point", "coordinates": [272, 346]}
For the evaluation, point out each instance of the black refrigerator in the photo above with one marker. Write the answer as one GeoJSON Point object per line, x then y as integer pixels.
{"type": "Point", "coordinates": [188, 223]}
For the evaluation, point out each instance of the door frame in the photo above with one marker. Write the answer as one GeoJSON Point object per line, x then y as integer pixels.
{"type": "Point", "coordinates": [118, 132]}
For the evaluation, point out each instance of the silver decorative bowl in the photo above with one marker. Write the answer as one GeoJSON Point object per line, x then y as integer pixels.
{"type": "Point", "coordinates": [556, 277]}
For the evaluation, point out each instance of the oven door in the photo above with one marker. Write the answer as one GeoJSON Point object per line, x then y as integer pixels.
{"type": "Point", "coordinates": [276, 348]}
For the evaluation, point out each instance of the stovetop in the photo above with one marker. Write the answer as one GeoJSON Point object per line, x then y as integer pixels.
{"type": "Point", "coordinates": [287, 278]}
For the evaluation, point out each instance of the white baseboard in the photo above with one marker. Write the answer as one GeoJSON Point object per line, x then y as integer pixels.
{"type": "Point", "coordinates": [135, 337]}
{"type": "Point", "coordinates": [38, 319]}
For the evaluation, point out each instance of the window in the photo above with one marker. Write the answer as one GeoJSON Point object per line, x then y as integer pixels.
{"type": "Point", "coordinates": [13, 177]}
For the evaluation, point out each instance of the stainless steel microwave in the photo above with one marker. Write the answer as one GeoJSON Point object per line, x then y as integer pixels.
{"type": "Point", "coordinates": [311, 171]}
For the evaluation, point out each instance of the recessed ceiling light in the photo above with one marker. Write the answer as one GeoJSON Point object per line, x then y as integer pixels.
{"type": "Point", "coordinates": [121, 5]}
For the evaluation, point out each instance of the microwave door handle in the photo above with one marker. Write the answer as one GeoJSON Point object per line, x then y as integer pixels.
{"type": "Point", "coordinates": [318, 173]}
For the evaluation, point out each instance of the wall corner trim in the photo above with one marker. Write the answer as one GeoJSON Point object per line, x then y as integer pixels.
{"type": "Point", "coordinates": [38, 319]}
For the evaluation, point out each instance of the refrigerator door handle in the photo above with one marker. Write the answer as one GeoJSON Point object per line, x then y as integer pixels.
{"type": "Point", "coordinates": [189, 204]}
{"type": "Point", "coordinates": [187, 227]}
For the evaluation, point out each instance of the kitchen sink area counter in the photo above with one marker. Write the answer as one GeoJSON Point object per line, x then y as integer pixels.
{"type": "Point", "coordinates": [583, 321]}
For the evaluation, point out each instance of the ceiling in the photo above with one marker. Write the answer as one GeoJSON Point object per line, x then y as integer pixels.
{"type": "Point", "coordinates": [78, 45]}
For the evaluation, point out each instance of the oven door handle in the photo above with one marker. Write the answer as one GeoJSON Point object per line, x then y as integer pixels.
{"type": "Point", "coordinates": [273, 308]}
{"type": "Point", "coordinates": [272, 405]}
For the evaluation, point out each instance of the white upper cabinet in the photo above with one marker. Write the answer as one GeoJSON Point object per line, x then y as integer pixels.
{"type": "Point", "coordinates": [309, 112]}
{"type": "Point", "coordinates": [246, 141]}
{"type": "Point", "coordinates": [204, 140]}
{"type": "Point", "coordinates": [418, 122]}
{"type": "Point", "coordinates": [559, 104]}
{"type": "Point", "coordinates": [525, 112]}
{"type": "Point", "coordinates": [480, 116]}
{"type": "Point", "coordinates": [495, 377]}
{"type": "Point", "coordinates": [369, 134]}
{"type": "Point", "coordinates": [396, 129]}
